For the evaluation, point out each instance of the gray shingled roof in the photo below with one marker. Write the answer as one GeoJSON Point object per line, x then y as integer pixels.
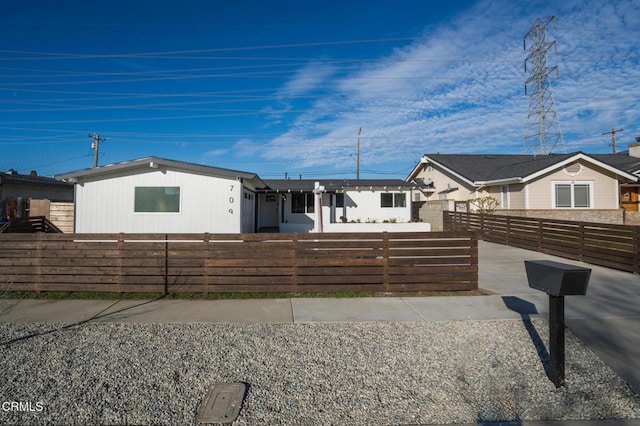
{"type": "Point", "coordinates": [332, 185]}
{"type": "Point", "coordinates": [621, 160]}
{"type": "Point", "coordinates": [18, 179]}
{"type": "Point", "coordinates": [487, 167]}
{"type": "Point", "coordinates": [492, 167]}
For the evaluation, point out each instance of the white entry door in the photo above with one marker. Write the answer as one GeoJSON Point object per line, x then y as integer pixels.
{"type": "Point", "coordinates": [268, 210]}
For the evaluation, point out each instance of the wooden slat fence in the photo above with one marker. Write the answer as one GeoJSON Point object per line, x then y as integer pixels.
{"type": "Point", "coordinates": [206, 263]}
{"type": "Point", "coordinates": [614, 246]}
{"type": "Point", "coordinates": [32, 224]}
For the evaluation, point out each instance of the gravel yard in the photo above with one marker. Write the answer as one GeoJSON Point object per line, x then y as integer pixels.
{"type": "Point", "coordinates": [301, 374]}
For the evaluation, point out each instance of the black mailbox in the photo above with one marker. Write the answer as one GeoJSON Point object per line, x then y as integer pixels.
{"type": "Point", "coordinates": [557, 279]}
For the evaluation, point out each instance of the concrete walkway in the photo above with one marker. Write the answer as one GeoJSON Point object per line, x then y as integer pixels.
{"type": "Point", "coordinates": [607, 319]}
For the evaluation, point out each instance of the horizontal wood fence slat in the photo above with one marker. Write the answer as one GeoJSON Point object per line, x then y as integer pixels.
{"type": "Point", "coordinates": [614, 246]}
{"type": "Point", "coordinates": [207, 263]}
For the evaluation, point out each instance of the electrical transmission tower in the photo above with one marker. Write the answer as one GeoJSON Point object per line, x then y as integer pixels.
{"type": "Point", "coordinates": [543, 132]}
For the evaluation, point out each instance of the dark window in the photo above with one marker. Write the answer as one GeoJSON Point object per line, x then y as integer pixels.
{"type": "Point", "coordinates": [581, 195]}
{"type": "Point", "coordinates": [302, 203]}
{"type": "Point", "coordinates": [563, 195]}
{"type": "Point", "coordinates": [388, 199]}
{"type": "Point", "coordinates": [340, 200]}
{"type": "Point", "coordinates": [157, 199]}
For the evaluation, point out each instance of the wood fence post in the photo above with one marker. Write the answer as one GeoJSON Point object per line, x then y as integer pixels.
{"type": "Point", "coordinates": [508, 230]}
{"type": "Point", "coordinates": [636, 249]}
{"type": "Point", "coordinates": [120, 248]}
{"type": "Point", "coordinates": [385, 258]}
{"type": "Point", "coordinates": [474, 258]}
{"type": "Point", "coordinates": [296, 260]}
{"type": "Point", "coordinates": [166, 264]}
{"type": "Point", "coordinates": [581, 241]}
{"type": "Point", "coordinates": [38, 262]}
{"type": "Point", "coordinates": [205, 266]}
{"type": "Point", "coordinates": [540, 235]}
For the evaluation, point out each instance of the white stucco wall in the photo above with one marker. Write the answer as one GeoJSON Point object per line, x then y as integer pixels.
{"type": "Point", "coordinates": [207, 204]}
{"type": "Point", "coordinates": [365, 207]}
{"type": "Point", "coordinates": [378, 227]}
{"type": "Point", "coordinates": [359, 206]}
{"type": "Point", "coordinates": [295, 222]}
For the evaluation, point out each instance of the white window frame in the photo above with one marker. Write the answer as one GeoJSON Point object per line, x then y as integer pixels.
{"type": "Point", "coordinates": [572, 184]}
{"type": "Point", "coordinates": [505, 197]}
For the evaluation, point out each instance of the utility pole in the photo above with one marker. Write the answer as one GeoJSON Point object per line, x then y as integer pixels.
{"type": "Point", "coordinates": [613, 138]}
{"type": "Point", "coordinates": [543, 126]}
{"type": "Point", "coordinates": [358, 156]}
{"type": "Point", "coordinates": [96, 147]}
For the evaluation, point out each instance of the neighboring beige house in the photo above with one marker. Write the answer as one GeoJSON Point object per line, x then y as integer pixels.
{"type": "Point", "coordinates": [573, 186]}
{"type": "Point", "coordinates": [629, 162]}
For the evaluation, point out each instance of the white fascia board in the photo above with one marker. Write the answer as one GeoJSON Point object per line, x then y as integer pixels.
{"type": "Point", "coordinates": [415, 170]}
{"type": "Point", "coordinates": [505, 181]}
{"type": "Point", "coordinates": [459, 176]}
{"type": "Point", "coordinates": [156, 162]}
{"type": "Point", "coordinates": [576, 157]}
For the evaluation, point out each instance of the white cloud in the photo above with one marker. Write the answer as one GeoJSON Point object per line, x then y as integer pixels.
{"type": "Point", "coordinates": [460, 88]}
{"type": "Point", "coordinates": [307, 79]}
{"type": "Point", "coordinates": [216, 152]}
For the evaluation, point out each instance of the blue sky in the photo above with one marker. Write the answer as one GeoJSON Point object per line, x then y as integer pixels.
{"type": "Point", "coordinates": [284, 86]}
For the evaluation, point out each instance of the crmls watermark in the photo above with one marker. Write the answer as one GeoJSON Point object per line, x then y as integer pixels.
{"type": "Point", "coordinates": [23, 406]}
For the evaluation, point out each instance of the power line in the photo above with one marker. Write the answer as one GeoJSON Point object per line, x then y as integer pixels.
{"type": "Point", "coordinates": [58, 55]}
{"type": "Point", "coordinates": [613, 138]}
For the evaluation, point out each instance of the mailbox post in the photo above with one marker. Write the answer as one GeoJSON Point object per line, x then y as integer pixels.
{"type": "Point", "coordinates": [557, 280]}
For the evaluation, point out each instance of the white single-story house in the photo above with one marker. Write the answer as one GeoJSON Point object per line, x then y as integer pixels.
{"type": "Point", "coordinates": [156, 195]}
{"type": "Point", "coordinates": [575, 181]}
{"type": "Point", "coordinates": [330, 205]}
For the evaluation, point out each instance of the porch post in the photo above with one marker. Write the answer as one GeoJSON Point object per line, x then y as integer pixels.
{"type": "Point", "coordinates": [317, 206]}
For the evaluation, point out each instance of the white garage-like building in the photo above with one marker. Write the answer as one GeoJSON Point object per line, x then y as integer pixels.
{"type": "Point", "coordinates": [156, 195]}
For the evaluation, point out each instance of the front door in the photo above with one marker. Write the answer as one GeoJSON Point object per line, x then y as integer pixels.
{"type": "Point", "coordinates": [268, 212]}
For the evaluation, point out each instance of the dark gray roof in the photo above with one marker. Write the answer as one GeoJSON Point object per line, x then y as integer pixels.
{"type": "Point", "coordinates": [487, 167]}
{"type": "Point", "coordinates": [32, 180]}
{"type": "Point", "coordinates": [333, 185]}
{"type": "Point", "coordinates": [621, 160]}
{"type": "Point", "coordinates": [493, 167]}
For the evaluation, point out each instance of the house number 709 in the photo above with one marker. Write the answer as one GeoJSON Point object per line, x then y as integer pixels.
{"type": "Point", "coordinates": [231, 199]}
